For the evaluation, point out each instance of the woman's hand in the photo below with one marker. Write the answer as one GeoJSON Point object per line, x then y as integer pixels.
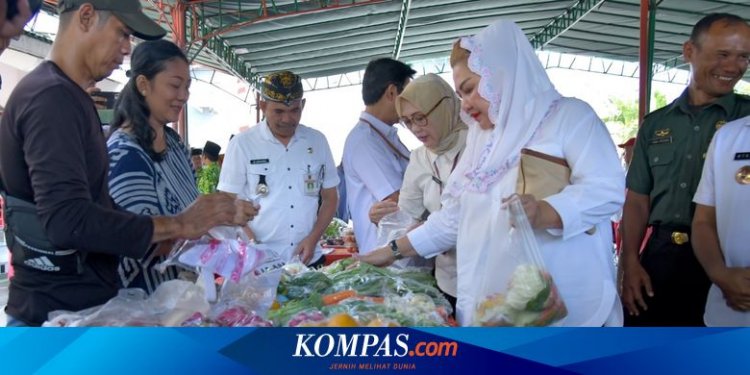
{"type": "Point", "coordinates": [540, 214]}
{"type": "Point", "coordinates": [212, 210]}
{"type": "Point", "coordinates": [381, 257]}
{"type": "Point", "coordinates": [532, 208]}
{"type": "Point", "coordinates": [380, 209]}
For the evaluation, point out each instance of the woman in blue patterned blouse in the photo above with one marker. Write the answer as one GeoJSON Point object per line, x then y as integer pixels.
{"type": "Point", "coordinates": [150, 169]}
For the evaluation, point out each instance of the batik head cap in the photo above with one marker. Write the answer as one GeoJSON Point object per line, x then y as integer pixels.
{"type": "Point", "coordinates": [283, 87]}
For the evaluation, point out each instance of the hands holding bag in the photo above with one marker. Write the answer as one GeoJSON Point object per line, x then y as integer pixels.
{"type": "Point", "coordinates": [524, 293]}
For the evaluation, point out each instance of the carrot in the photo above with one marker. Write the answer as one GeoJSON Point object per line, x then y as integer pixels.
{"type": "Point", "coordinates": [370, 299]}
{"type": "Point", "coordinates": [334, 298]}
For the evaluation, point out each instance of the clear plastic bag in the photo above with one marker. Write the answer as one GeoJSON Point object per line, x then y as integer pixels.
{"type": "Point", "coordinates": [172, 302]}
{"type": "Point", "coordinates": [228, 254]}
{"type": "Point", "coordinates": [521, 292]}
{"type": "Point", "coordinates": [394, 226]}
{"type": "Point", "coordinates": [245, 303]}
{"type": "Point", "coordinates": [299, 281]}
{"type": "Point", "coordinates": [255, 291]}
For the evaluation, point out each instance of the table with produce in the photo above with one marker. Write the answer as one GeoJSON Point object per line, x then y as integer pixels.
{"type": "Point", "coordinates": [239, 285]}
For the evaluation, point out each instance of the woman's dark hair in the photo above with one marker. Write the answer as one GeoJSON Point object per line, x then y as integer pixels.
{"type": "Point", "coordinates": [149, 59]}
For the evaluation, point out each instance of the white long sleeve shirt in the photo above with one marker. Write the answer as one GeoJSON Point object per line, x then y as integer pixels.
{"type": "Point", "coordinates": [421, 191]}
{"type": "Point", "coordinates": [580, 263]}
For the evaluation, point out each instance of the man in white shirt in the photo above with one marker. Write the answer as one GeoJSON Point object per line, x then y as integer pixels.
{"type": "Point", "coordinates": [720, 235]}
{"type": "Point", "coordinates": [289, 169]}
{"type": "Point", "coordinates": [374, 158]}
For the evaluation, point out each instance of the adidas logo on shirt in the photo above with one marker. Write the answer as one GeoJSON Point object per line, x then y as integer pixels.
{"type": "Point", "coordinates": [42, 263]}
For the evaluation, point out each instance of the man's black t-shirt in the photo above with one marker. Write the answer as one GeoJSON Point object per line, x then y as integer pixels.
{"type": "Point", "coordinates": [53, 153]}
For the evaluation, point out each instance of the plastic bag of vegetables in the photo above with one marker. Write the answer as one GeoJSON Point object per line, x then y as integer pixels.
{"type": "Point", "coordinates": [516, 290]}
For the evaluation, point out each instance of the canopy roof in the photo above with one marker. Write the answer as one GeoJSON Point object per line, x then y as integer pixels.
{"type": "Point", "coordinates": [317, 38]}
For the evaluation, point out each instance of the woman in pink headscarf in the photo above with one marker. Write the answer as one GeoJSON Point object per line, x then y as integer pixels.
{"type": "Point", "coordinates": [510, 105]}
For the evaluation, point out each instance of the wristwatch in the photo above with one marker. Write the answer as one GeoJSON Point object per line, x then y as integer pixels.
{"type": "Point", "coordinates": [394, 251]}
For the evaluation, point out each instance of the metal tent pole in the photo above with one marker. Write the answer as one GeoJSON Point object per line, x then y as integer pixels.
{"type": "Point", "coordinates": [179, 13]}
{"type": "Point", "coordinates": [646, 56]}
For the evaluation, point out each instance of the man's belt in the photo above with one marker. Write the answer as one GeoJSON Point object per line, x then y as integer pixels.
{"type": "Point", "coordinates": [678, 235]}
{"type": "Point", "coordinates": [679, 238]}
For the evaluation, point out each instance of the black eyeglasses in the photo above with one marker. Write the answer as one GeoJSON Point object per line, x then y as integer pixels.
{"type": "Point", "coordinates": [419, 119]}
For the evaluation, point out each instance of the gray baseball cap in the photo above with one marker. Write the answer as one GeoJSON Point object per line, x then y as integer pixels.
{"type": "Point", "coordinates": [127, 11]}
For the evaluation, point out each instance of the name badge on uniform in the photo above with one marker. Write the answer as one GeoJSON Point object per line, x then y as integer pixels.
{"type": "Point", "coordinates": [311, 181]}
{"type": "Point", "coordinates": [742, 156]}
{"type": "Point", "coordinates": [259, 161]}
{"type": "Point", "coordinates": [743, 175]}
{"type": "Point", "coordinates": [661, 140]}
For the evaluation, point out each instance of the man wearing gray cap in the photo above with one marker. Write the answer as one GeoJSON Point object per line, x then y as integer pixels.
{"type": "Point", "coordinates": [63, 229]}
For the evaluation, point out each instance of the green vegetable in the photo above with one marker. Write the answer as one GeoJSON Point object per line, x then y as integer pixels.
{"type": "Point", "coordinates": [333, 230]}
{"type": "Point", "coordinates": [338, 266]}
{"type": "Point", "coordinates": [537, 303]}
{"type": "Point", "coordinates": [365, 285]}
{"type": "Point", "coordinates": [281, 316]}
{"type": "Point", "coordinates": [303, 284]}
{"type": "Point", "coordinates": [418, 276]}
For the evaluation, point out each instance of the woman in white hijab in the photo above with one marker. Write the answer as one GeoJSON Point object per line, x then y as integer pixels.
{"type": "Point", "coordinates": [510, 104]}
{"type": "Point", "coordinates": [430, 109]}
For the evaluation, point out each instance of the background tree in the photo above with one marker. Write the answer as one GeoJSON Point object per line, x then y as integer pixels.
{"type": "Point", "coordinates": [742, 88]}
{"type": "Point", "coordinates": [623, 124]}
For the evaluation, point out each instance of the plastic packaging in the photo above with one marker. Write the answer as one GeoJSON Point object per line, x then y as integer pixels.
{"type": "Point", "coordinates": [255, 291]}
{"type": "Point", "coordinates": [394, 226]}
{"type": "Point", "coordinates": [172, 303]}
{"type": "Point", "coordinates": [226, 254]}
{"type": "Point", "coordinates": [517, 289]}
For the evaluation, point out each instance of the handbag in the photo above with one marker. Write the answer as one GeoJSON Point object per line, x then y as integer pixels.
{"type": "Point", "coordinates": [541, 175]}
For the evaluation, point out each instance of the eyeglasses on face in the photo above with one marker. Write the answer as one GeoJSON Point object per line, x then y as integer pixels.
{"type": "Point", "coordinates": [419, 119]}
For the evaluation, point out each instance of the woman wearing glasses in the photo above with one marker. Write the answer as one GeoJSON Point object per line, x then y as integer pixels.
{"type": "Point", "coordinates": [430, 109]}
